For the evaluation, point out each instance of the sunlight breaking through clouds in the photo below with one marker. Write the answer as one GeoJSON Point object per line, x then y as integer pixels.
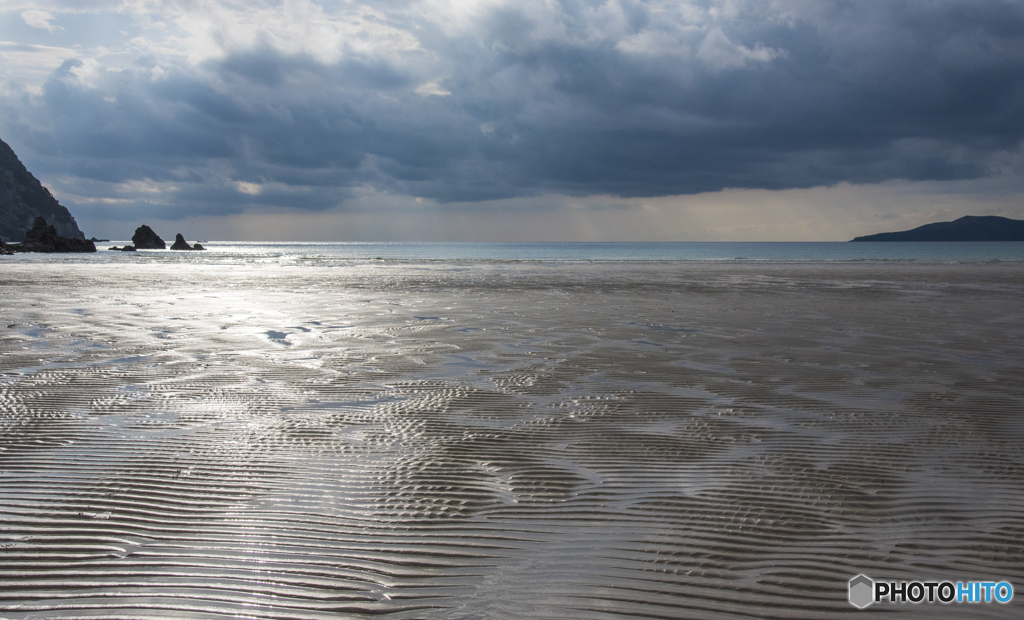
{"type": "Point", "coordinates": [478, 101]}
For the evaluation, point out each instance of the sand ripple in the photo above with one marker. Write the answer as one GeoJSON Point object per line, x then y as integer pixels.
{"type": "Point", "coordinates": [505, 442]}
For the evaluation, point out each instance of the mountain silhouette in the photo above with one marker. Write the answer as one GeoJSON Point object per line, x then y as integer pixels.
{"type": "Point", "coordinates": [23, 198]}
{"type": "Point", "coordinates": [967, 228]}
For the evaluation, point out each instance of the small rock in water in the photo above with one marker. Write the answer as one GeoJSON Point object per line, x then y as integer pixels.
{"type": "Point", "coordinates": [145, 239]}
{"type": "Point", "coordinates": [181, 244]}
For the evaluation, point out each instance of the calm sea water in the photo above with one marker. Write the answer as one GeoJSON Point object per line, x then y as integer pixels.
{"type": "Point", "coordinates": [741, 252]}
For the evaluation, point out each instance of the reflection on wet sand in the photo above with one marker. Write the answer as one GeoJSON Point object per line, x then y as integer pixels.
{"type": "Point", "coordinates": [505, 441]}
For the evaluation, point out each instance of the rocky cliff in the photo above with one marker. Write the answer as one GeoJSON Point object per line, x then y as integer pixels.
{"type": "Point", "coordinates": [23, 198]}
{"type": "Point", "coordinates": [43, 237]}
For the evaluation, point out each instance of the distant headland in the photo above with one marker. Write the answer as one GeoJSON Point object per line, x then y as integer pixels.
{"type": "Point", "coordinates": [967, 228]}
{"type": "Point", "coordinates": [29, 212]}
{"type": "Point", "coordinates": [23, 198]}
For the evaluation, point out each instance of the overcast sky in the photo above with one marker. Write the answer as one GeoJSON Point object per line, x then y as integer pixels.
{"type": "Point", "coordinates": [517, 119]}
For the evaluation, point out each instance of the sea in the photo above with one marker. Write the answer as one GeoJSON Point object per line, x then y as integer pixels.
{"type": "Point", "coordinates": [342, 253]}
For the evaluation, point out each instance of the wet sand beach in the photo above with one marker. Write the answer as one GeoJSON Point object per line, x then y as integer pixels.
{"type": "Point", "coordinates": [506, 440]}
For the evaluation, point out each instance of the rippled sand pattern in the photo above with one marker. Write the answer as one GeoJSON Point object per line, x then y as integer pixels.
{"type": "Point", "coordinates": [506, 441]}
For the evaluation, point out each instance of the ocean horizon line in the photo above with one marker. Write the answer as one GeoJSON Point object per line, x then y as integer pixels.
{"type": "Point", "coordinates": [331, 252]}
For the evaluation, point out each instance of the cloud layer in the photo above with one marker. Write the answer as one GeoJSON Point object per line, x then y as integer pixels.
{"type": "Point", "coordinates": [177, 108]}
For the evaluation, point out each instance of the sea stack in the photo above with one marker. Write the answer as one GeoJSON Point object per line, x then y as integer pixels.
{"type": "Point", "coordinates": [180, 243]}
{"type": "Point", "coordinates": [145, 239]}
{"type": "Point", "coordinates": [43, 237]}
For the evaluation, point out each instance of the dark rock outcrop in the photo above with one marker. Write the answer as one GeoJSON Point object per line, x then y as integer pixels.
{"type": "Point", "coordinates": [967, 228]}
{"type": "Point", "coordinates": [95, 240]}
{"type": "Point", "coordinates": [23, 198]}
{"type": "Point", "coordinates": [5, 250]}
{"type": "Point", "coordinates": [180, 243]}
{"type": "Point", "coordinates": [43, 237]}
{"type": "Point", "coordinates": [127, 248]}
{"type": "Point", "coordinates": [145, 239]}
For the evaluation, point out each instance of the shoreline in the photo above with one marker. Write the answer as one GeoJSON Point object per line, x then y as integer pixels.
{"type": "Point", "coordinates": [358, 254]}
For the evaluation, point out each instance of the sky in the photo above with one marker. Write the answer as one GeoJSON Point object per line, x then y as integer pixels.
{"type": "Point", "coordinates": [517, 120]}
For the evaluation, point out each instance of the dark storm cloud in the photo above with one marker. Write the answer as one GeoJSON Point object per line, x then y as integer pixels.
{"type": "Point", "coordinates": [824, 93]}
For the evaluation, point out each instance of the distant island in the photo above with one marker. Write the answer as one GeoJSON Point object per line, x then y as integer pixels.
{"type": "Point", "coordinates": [967, 228]}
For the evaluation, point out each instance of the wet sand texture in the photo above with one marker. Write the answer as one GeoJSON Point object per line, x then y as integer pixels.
{"type": "Point", "coordinates": [506, 441]}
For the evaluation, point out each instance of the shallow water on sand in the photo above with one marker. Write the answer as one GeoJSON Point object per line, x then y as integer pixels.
{"type": "Point", "coordinates": [505, 441]}
{"type": "Point", "coordinates": [354, 254]}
